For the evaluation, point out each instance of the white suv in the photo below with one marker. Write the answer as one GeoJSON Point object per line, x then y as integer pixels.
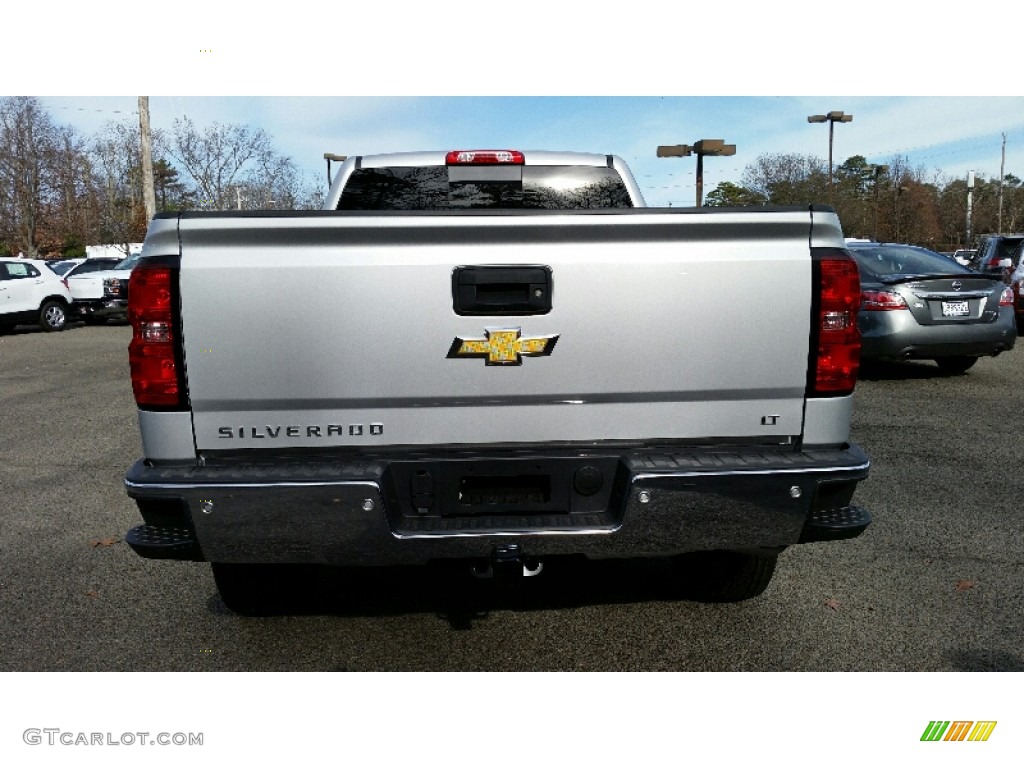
{"type": "Point", "coordinates": [31, 293]}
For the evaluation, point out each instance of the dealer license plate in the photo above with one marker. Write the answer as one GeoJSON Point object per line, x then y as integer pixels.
{"type": "Point", "coordinates": [955, 309]}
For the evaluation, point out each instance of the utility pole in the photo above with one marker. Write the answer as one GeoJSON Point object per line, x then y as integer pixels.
{"type": "Point", "coordinates": [1002, 166]}
{"type": "Point", "coordinates": [148, 192]}
{"type": "Point", "coordinates": [970, 202]}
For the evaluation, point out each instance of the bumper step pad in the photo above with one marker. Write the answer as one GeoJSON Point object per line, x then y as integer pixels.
{"type": "Point", "coordinates": [834, 524]}
{"type": "Point", "coordinates": [160, 543]}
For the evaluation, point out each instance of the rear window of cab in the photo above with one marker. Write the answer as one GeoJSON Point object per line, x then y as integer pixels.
{"type": "Point", "coordinates": [435, 188]}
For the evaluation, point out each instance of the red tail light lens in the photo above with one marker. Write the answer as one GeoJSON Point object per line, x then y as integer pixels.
{"type": "Point", "coordinates": [154, 352]}
{"type": "Point", "coordinates": [1006, 300]}
{"type": "Point", "coordinates": [835, 339]}
{"type": "Point", "coordinates": [882, 301]}
{"type": "Point", "coordinates": [484, 157]}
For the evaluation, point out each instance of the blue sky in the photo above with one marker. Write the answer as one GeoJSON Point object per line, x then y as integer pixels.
{"type": "Point", "coordinates": [942, 135]}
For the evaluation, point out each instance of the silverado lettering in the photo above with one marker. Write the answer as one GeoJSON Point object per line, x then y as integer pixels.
{"type": "Point", "coordinates": [326, 430]}
{"type": "Point", "coordinates": [682, 416]}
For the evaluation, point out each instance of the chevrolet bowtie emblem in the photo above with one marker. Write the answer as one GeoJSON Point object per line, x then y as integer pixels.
{"type": "Point", "coordinates": [503, 346]}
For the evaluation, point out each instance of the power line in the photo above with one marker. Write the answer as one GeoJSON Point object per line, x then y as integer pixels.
{"type": "Point", "coordinates": [975, 138]}
{"type": "Point", "coordinates": [102, 111]}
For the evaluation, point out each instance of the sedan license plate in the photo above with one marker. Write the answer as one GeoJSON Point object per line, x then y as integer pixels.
{"type": "Point", "coordinates": [955, 309]}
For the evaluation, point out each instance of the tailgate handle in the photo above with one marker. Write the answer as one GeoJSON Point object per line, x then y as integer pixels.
{"type": "Point", "coordinates": [518, 290]}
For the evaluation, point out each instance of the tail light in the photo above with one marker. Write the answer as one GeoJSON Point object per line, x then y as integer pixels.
{"type": "Point", "coordinates": [1006, 300]}
{"type": "Point", "coordinates": [882, 301]}
{"type": "Point", "coordinates": [835, 339]}
{"type": "Point", "coordinates": [155, 352]}
{"type": "Point", "coordinates": [484, 157]}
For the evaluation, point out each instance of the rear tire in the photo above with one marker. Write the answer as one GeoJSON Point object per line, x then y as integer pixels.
{"type": "Point", "coordinates": [53, 316]}
{"type": "Point", "coordinates": [723, 577]}
{"type": "Point", "coordinates": [261, 589]}
{"type": "Point", "coordinates": [957, 364]}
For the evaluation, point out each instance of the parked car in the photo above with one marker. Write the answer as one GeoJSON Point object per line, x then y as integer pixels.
{"type": "Point", "coordinates": [963, 256]}
{"type": "Point", "coordinates": [87, 266]}
{"type": "Point", "coordinates": [994, 251]}
{"type": "Point", "coordinates": [1014, 275]}
{"type": "Point", "coordinates": [918, 304]}
{"type": "Point", "coordinates": [71, 267]}
{"type": "Point", "coordinates": [103, 295]}
{"type": "Point", "coordinates": [61, 267]}
{"type": "Point", "coordinates": [31, 293]}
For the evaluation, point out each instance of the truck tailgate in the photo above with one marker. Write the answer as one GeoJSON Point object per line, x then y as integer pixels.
{"type": "Point", "coordinates": [340, 330]}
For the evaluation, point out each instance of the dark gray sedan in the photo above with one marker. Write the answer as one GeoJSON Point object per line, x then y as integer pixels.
{"type": "Point", "coordinates": [917, 304]}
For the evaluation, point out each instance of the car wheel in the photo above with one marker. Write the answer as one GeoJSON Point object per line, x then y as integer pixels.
{"type": "Point", "coordinates": [261, 589]}
{"type": "Point", "coordinates": [53, 316]}
{"type": "Point", "coordinates": [957, 364]}
{"type": "Point", "coordinates": [1020, 326]}
{"type": "Point", "coordinates": [723, 577]}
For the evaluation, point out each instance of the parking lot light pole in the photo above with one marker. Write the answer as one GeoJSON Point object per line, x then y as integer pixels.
{"type": "Point", "coordinates": [713, 147]}
{"type": "Point", "coordinates": [329, 156]}
{"type": "Point", "coordinates": [836, 116]}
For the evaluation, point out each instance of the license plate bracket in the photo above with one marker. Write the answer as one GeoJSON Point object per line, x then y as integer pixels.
{"type": "Point", "coordinates": [471, 487]}
{"type": "Point", "coordinates": [956, 308]}
{"type": "Point", "coordinates": [509, 492]}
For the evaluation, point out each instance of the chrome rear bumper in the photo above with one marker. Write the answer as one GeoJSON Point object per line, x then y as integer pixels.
{"type": "Point", "coordinates": [651, 502]}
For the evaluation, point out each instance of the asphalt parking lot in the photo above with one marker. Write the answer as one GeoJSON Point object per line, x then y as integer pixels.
{"type": "Point", "coordinates": [935, 584]}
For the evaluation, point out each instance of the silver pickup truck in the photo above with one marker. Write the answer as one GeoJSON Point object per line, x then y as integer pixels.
{"type": "Point", "coordinates": [497, 357]}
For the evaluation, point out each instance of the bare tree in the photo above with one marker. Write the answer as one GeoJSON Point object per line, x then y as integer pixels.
{"type": "Point", "coordinates": [117, 171]}
{"type": "Point", "coordinates": [71, 212]}
{"type": "Point", "coordinates": [235, 166]}
{"type": "Point", "coordinates": [787, 179]}
{"type": "Point", "coordinates": [909, 206]}
{"type": "Point", "coordinates": [903, 204]}
{"type": "Point", "coordinates": [1013, 202]}
{"type": "Point", "coordinates": [219, 159]}
{"type": "Point", "coordinates": [275, 183]}
{"type": "Point", "coordinates": [32, 150]}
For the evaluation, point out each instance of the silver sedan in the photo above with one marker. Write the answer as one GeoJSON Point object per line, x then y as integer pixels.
{"type": "Point", "coordinates": [918, 304]}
